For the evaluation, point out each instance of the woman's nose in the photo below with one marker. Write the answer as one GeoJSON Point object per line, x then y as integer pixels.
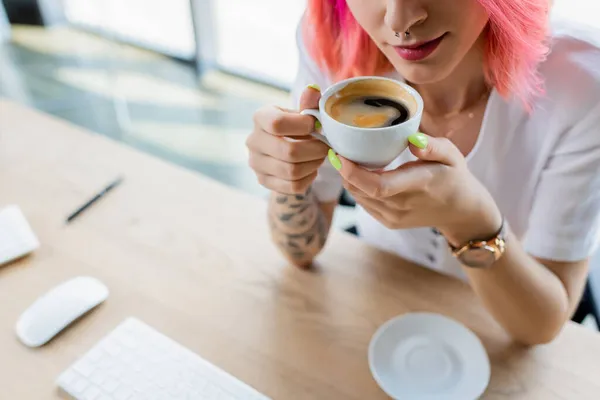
{"type": "Point", "coordinates": [402, 15]}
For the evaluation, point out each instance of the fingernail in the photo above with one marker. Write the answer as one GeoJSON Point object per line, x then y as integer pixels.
{"type": "Point", "coordinates": [334, 160]}
{"type": "Point", "coordinates": [419, 140]}
{"type": "Point", "coordinates": [318, 125]}
{"type": "Point", "coordinates": [315, 87]}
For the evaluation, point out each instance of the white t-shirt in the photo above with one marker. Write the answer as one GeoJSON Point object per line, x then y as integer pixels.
{"type": "Point", "coordinates": [542, 168]}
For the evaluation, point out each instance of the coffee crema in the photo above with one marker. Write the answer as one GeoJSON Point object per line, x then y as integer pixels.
{"type": "Point", "coordinates": [369, 112]}
{"type": "Point", "coordinates": [371, 104]}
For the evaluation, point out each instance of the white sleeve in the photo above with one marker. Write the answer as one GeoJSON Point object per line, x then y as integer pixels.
{"type": "Point", "coordinates": [328, 184]}
{"type": "Point", "coordinates": [564, 223]}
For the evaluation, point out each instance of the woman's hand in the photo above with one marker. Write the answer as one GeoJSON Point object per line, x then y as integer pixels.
{"type": "Point", "coordinates": [437, 191]}
{"type": "Point", "coordinates": [284, 165]}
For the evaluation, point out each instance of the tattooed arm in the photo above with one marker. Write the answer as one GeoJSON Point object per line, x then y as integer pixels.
{"type": "Point", "coordinates": [299, 225]}
{"type": "Point", "coordinates": [286, 161]}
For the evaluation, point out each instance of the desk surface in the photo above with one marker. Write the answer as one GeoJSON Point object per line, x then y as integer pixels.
{"type": "Point", "coordinates": [193, 259]}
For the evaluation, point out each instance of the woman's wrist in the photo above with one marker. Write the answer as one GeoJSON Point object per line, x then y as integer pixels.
{"type": "Point", "coordinates": [482, 223]}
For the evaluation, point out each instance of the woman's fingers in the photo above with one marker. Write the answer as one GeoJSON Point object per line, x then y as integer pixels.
{"type": "Point", "coordinates": [284, 186]}
{"type": "Point", "coordinates": [283, 155]}
{"type": "Point", "coordinates": [354, 191]}
{"type": "Point", "coordinates": [295, 151]}
{"type": "Point", "coordinates": [383, 211]}
{"type": "Point", "coordinates": [386, 183]}
{"type": "Point", "coordinates": [279, 122]}
{"type": "Point", "coordinates": [376, 208]}
{"type": "Point", "coordinates": [267, 165]}
{"type": "Point", "coordinates": [369, 203]}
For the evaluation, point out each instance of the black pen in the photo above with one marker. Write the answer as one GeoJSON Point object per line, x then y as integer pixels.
{"type": "Point", "coordinates": [94, 199]}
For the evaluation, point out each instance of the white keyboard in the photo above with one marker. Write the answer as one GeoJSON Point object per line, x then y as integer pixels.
{"type": "Point", "coordinates": [16, 237]}
{"type": "Point", "coordinates": [135, 362]}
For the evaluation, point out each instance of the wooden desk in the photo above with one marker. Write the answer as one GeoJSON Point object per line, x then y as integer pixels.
{"type": "Point", "coordinates": [193, 259]}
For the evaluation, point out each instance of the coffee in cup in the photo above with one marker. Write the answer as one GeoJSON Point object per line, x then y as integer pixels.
{"type": "Point", "coordinates": [369, 104]}
{"type": "Point", "coordinates": [368, 119]}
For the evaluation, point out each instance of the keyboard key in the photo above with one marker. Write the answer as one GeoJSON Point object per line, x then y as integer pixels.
{"type": "Point", "coordinates": [211, 391]}
{"type": "Point", "coordinates": [80, 385]}
{"type": "Point", "coordinates": [110, 385]}
{"type": "Point", "coordinates": [225, 396]}
{"type": "Point", "coordinates": [128, 341]}
{"type": "Point", "coordinates": [112, 349]}
{"type": "Point", "coordinates": [142, 386]}
{"type": "Point", "coordinates": [92, 393]}
{"type": "Point", "coordinates": [98, 378]}
{"type": "Point", "coordinates": [151, 396]}
{"type": "Point", "coordinates": [118, 371]}
{"type": "Point", "coordinates": [137, 367]}
{"type": "Point", "coordinates": [175, 391]}
{"type": "Point", "coordinates": [68, 377]}
{"type": "Point", "coordinates": [95, 355]}
{"type": "Point", "coordinates": [85, 368]}
{"type": "Point", "coordinates": [128, 358]}
{"type": "Point", "coordinates": [123, 393]}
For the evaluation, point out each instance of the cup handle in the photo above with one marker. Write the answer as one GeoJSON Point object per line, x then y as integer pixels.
{"type": "Point", "coordinates": [317, 115]}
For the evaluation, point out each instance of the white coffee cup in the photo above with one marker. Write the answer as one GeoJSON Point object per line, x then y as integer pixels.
{"type": "Point", "coordinates": [370, 147]}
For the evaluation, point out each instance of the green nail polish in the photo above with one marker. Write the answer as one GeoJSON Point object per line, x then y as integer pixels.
{"type": "Point", "coordinates": [318, 125]}
{"type": "Point", "coordinates": [419, 140]}
{"type": "Point", "coordinates": [334, 160]}
{"type": "Point", "coordinates": [315, 87]}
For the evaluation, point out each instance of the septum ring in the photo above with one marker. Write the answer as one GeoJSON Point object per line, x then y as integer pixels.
{"type": "Point", "coordinates": [406, 34]}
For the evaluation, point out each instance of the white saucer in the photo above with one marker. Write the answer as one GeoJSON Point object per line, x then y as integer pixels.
{"type": "Point", "coordinates": [424, 356]}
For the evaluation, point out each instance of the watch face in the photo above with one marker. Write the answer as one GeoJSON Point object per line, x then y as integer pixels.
{"type": "Point", "coordinates": [479, 258]}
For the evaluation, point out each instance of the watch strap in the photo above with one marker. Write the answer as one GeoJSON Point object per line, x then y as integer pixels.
{"type": "Point", "coordinates": [500, 235]}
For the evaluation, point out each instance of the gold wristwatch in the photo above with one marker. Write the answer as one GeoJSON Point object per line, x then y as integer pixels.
{"type": "Point", "coordinates": [482, 253]}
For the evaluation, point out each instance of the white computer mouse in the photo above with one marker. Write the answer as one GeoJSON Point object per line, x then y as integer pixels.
{"type": "Point", "coordinates": [57, 308]}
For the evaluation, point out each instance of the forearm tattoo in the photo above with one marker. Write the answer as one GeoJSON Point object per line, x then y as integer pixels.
{"type": "Point", "coordinates": [298, 225]}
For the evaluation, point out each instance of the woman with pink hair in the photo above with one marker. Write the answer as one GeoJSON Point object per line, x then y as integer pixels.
{"type": "Point", "coordinates": [502, 188]}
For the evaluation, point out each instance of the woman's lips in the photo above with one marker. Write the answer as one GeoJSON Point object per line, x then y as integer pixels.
{"type": "Point", "coordinates": [419, 51]}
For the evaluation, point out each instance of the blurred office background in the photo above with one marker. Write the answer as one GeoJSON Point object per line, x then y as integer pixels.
{"type": "Point", "coordinates": [176, 78]}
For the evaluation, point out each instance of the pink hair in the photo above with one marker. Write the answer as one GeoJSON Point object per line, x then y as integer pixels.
{"type": "Point", "coordinates": [516, 44]}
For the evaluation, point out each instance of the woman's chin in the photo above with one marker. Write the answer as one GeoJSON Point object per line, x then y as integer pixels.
{"type": "Point", "coordinates": [422, 74]}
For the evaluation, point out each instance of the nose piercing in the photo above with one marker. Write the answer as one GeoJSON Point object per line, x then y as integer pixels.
{"type": "Point", "coordinates": [406, 34]}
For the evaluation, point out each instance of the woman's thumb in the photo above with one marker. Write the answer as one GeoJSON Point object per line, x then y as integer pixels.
{"type": "Point", "coordinates": [429, 148]}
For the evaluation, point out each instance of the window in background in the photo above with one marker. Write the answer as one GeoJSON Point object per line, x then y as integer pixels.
{"type": "Point", "coordinates": [256, 39]}
{"type": "Point", "coordinates": [583, 11]}
{"type": "Point", "coordinates": [164, 26]}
